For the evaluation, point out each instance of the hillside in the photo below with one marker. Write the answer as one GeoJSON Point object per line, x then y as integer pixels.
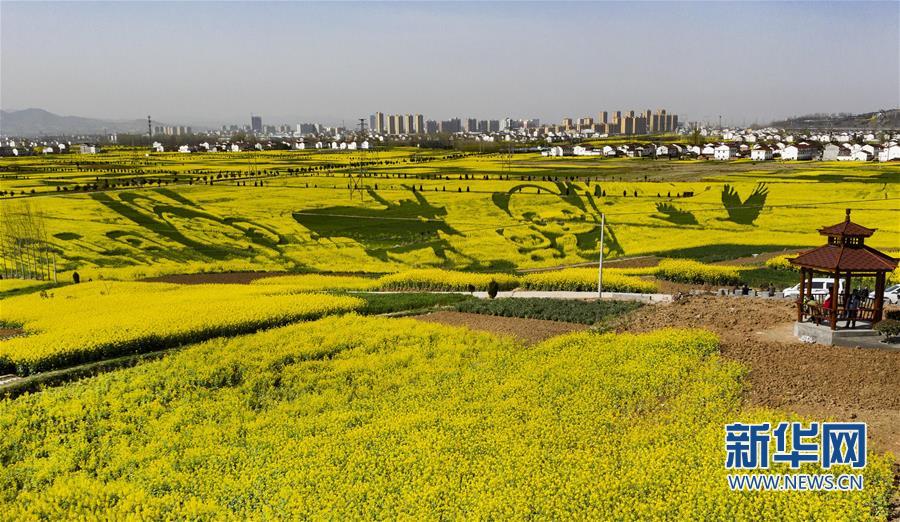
{"type": "Point", "coordinates": [884, 119]}
{"type": "Point", "coordinates": [38, 122]}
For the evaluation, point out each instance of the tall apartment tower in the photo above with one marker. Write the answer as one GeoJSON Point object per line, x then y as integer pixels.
{"type": "Point", "coordinates": [640, 125]}
{"type": "Point", "coordinates": [379, 123]}
{"type": "Point", "coordinates": [663, 121]}
{"type": "Point", "coordinates": [604, 117]}
{"type": "Point", "coordinates": [256, 123]}
{"type": "Point", "coordinates": [409, 124]}
{"type": "Point", "coordinates": [617, 116]}
{"type": "Point", "coordinates": [392, 124]}
{"type": "Point", "coordinates": [420, 124]}
{"type": "Point", "coordinates": [648, 117]}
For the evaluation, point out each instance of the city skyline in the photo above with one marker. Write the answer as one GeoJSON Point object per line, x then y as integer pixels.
{"type": "Point", "coordinates": [333, 63]}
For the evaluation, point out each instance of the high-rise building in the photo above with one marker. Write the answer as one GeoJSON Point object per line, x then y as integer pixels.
{"type": "Point", "coordinates": [371, 122]}
{"type": "Point", "coordinates": [431, 127]}
{"type": "Point", "coordinates": [616, 117]}
{"type": "Point", "coordinates": [648, 116]}
{"type": "Point", "coordinates": [471, 125]}
{"type": "Point", "coordinates": [256, 123]}
{"type": "Point", "coordinates": [493, 125]}
{"type": "Point", "coordinates": [604, 117]}
{"type": "Point", "coordinates": [379, 123]}
{"type": "Point", "coordinates": [420, 124]}
{"type": "Point", "coordinates": [409, 124]}
{"type": "Point", "coordinates": [567, 123]}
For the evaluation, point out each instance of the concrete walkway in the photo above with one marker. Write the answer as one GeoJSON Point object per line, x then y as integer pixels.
{"type": "Point", "coordinates": [585, 296]}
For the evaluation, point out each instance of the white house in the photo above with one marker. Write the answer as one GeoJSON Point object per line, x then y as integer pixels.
{"type": "Point", "coordinates": [708, 150]}
{"type": "Point", "coordinates": [830, 152]}
{"type": "Point", "coordinates": [862, 155]}
{"type": "Point", "coordinates": [725, 152]}
{"type": "Point", "coordinates": [235, 147]}
{"type": "Point", "coordinates": [871, 149]}
{"type": "Point", "coordinates": [352, 146]}
{"type": "Point", "coordinates": [662, 151]}
{"type": "Point", "coordinates": [761, 154]}
{"type": "Point", "coordinates": [87, 148]}
{"type": "Point", "coordinates": [184, 148]}
{"type": "Point", "coordinates": [580, 150]}
{"type": "Point", "coordinates": [801, 151]}
{"type": "Point", "coordinates": [560, 151]}
{"type": "Point", "coordinates": [319, 145]}
{"type": "Point", "coordinates": [365, 145]}
{"type": "Point", "coordinates": [890, 153]}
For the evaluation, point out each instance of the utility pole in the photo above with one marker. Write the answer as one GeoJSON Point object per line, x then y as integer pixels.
{"type": "Point", "coordinates": [600, 265]}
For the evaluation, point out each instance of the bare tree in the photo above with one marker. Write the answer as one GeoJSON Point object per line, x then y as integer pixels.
{"type": "Point", "coordinates": [24, 243]}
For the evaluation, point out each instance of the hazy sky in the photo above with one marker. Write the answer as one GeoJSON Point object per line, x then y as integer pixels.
{"type": "Point", "coordinates": [218, 62]}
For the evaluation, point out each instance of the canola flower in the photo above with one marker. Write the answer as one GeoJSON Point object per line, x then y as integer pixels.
{"type": "Point", "coordinates": [781, 262]}
{"type": "Point", "coordinates": [585, 279]}
{"type": "Point", "coordinates": [351, 417]}
{"type": "Point", "coordinates": [318, 282]}
{"type": "Point", "coordinates": [11, 285]}
{"type": "Point", "coordinates": [99, 320]}
{"type": "Point", "coordinates": [435, 279]}
{"type": "Point", "coordinates": [694, 272]}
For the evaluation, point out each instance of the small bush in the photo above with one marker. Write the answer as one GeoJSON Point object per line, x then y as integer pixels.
{"type": "Point", "coordinates": [493, 288]}
{"type": "Point", "coordinates": [888, 327]}
{"type": "Point", "coordinates": [570, 311]}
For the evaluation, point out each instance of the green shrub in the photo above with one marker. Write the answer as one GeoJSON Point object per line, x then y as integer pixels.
{"type": "Point", "coordinates": [888, 327]}
{"type": "Point", "coordinates": [585, 312]}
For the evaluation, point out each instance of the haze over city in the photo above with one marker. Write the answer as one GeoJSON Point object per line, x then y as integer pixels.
{"type": "Point", "coordinates": [214, 63]}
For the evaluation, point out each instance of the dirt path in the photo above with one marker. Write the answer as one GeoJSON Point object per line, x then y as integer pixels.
{"type": "Point", "coordinates": [813, 380]}
{"type": "Point", "coordinates": [6, 333]}
{"type": "Point", "coordinates": [529, 330]}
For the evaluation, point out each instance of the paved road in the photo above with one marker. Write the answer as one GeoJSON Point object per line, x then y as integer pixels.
{"type": "Point", "coordinates": [614, 296]}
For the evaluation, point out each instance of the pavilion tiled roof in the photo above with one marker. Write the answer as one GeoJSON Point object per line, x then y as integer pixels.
{"type": "Point", "coordinates": [847, 228]}
{"type": "Point", "coordinates": [845, 258]}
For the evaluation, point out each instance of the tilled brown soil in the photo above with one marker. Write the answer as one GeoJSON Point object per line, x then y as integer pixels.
{"type": "Point", "coordinates": [6, 333]}
{"type": "Point", "coordinates": [814, 380]}
{"type": "Point", "coordinates": [529, 330]}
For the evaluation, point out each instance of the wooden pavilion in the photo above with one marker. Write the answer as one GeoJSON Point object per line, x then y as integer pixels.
{"type": "Point", "coordinates": [846, 255]}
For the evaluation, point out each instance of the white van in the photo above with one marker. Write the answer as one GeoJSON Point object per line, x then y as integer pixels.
{"type": "Point", "coordinates": [820, 286]}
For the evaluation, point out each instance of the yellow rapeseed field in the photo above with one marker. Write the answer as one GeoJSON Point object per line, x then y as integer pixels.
{"type": "Point", "coordinates": [318, 282]}
{"type": "Point", "coordinates": [585, 279]}
{"type": "Point", "coordinates": [434, 279]}
{"type": "Point", "coordinates": [372, 418]}
{"type": "Point", "coordinates": [98, 320]}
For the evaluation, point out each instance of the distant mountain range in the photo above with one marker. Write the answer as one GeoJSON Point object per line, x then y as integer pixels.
{"type": "Point", "coordinates": [885, 119]}
{"type": "Point", "coordinates": [38, 122]}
